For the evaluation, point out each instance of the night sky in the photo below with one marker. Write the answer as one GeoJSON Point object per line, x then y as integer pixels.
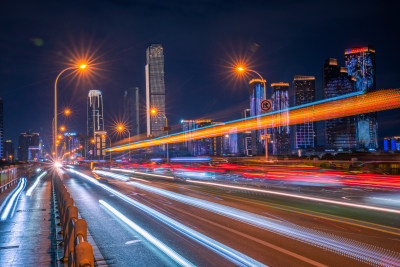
{"type": "Point", "coordinates": [200, 39]}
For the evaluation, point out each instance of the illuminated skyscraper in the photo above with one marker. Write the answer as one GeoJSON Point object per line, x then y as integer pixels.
{"type": "Point", "coordinates": [28, 146]}
{"type": "Point", "coordinates": [155, 90]}
{"type": "Point", "coordinates": [95, 123]}
{"type": "Point", "coordinates": [132, 109]}
{"type": "Point", "coordinates": [340, 134]}
{"type": "Point", "coordinates": [304, 92]}
{"type": "Point", "coordinates": [257, 93]}
{"type": "Point", "coordinates": [360, 63]}
{"type": "Point", "coordinates": [280, 134]}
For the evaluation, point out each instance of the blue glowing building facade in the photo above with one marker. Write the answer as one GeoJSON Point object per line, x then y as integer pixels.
{"type": "Point", "coordinates": [257, 94]}
{"type": "Point", "coordinates": [280, 134]}
{"type": "Point", "coordinates": [340, 133]}
{"type": "Point", "coordinates": [391, 144]}
{"type": "Point", "coordinates": [360, 63]}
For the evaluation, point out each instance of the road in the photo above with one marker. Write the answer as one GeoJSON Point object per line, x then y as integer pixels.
{"type": "Point", "coordinates": [260, 228]}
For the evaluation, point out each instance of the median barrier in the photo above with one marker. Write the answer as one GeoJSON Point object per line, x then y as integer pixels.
{"type": "Point", "coordinates": [77, 251]}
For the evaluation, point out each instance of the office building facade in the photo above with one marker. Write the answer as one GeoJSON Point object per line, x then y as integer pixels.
{"type": "Point", "coordinates": [304, 93]}
{"type": "Point", "coordinates": [95, 123]}
{"type": "Point", "coordinates": [360, 63]}
{"type": "Point", "coordinates": [280, 131]}
{"type": "Point", "coordinates": [257, 92]}
{"type": "Point", "coordinates": [29, 146]}
{"type": "Point", "coordinates": [9, 150]}
{"type": "Point", "coordinates": [131, 108]}
{"type": "Point", "coordinates": [391, 144]}
{"type": "Point", "coordinates": [155, 90]}
{"type": "Point", "coordinates": [340, 133]}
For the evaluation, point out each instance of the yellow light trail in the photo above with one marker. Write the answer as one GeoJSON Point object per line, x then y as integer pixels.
{"type": "Point", "coordinates": [347, 105]}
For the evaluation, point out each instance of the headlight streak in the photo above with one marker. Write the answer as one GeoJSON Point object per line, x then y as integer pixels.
{"type": "Point", "coordinates": [353, 249]}
{"type": "Point", "coordinates": [324, 200]}
{"type": "Point", "coordinates": [230, 254]}
{"type": "Point", "coordinates": [143, 173]}
{"type": "Point", "coordinates": [344, 246]}
{"type": "Point", "coordinates": [157, 243]}
{"type": "Point", "coordinates": [33, 187]}
{"type": "Point", "coordinates": [8, 206]}
{"type": "Point", "coordinates": [115, 176]}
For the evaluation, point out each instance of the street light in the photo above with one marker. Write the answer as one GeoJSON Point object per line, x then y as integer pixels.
{"type": "Point", "coordinates": [243, 69]}
{"type": "Point", "coordinates": [121, 128]}
{"type": "Point", "coordinates": [82, 66]}
{"type": "Point", "coordinates": [155, 112]}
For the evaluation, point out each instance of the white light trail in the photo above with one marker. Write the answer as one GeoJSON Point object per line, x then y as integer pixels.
{"type": "Point", "coordinates": [143, 173]}
{"type": "Point", "coordinates": [8, 206]}
{"type": "Point", "coordinates": [33, 187]}
{"type": "Point", "coordinates": [230, 254]}
{"type": "Point", "coordinates": [160, 245]}
{"type": "Point", "coordinates": [265, 191]}
{"type": "Point", "coordinates": [351, 248]}
{"type": "Point", "coordinates": [112, 175]}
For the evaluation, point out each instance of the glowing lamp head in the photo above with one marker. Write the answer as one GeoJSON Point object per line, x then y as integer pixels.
{"type": "Point", "coordinates": [240, 69]}
{"type": "Point", "coordinates": [120, 128]}
{"type": "Point", "coordinates": [67, 112]}
{"type": "Point", "coordinates": [93, 141]}
{"type": "Point", "coordinates": [153, 111]}
{"type": "Point", "coordinates": [83, 66]}
{"type": "Point", "coordinates": [59, 136]}
{"type": "Point", "coordinates": [62, 128]}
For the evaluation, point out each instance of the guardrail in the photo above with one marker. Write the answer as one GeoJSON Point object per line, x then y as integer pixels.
{"type": "Point", "coordinates": [8, 177]}
{"type": "Point", "coordinates": [77, 251]}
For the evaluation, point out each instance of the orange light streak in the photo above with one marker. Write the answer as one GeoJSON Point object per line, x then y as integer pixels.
{"type": "Point", "coordinates": [353, 105]}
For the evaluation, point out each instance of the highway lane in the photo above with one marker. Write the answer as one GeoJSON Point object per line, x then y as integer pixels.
{"type": "Point", "coordinates": [267, 247]}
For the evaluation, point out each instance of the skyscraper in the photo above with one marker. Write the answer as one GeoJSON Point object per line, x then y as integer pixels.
{"type": "Point", "coordinates": [8, 150]}
{"type": "Point", "coordinates": [304, 92]}
{"type": "Point", "coordinates": [155, 90]}
{"type": "Point", "coordinates": [360, 63]}
{"type": "Point", "coordinates": [340, 133]}
{"type": "Point", "coordinates": [257, 93]}
{"type": "Point", "coordinates": [95, 123]}
{"type": "Point", "coordinates": [28, 146]}
{"type": "Point", "coordinates": [1, 129]}
{"type": "Point", "coordinates": [132, 109]}
{"type": "Point", "coordinates": [280, 134]}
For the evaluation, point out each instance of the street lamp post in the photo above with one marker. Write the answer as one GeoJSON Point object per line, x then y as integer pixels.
{"type": "Point", "coordinates": [266, 135]}
{"type": "Point", "coordinates": [121, 128]}
{"type": "Point", "coordinates": [83, 66]}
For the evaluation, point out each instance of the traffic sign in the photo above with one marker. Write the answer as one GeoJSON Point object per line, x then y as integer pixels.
{"type": "Point", "coordinates": [266, 105]}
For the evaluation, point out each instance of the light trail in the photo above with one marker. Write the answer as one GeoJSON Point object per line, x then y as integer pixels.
{"type": "Point", "coordinates": [344, 246]}
{"type": "Point", "coordinates": [146, 235]}
{"type": "Point", "coordinates": [342, 106]}
{"type": "Point", "coordinates": [8, 206]}
{"type": "Point", "coordinates": [115, 176]}
{"type": "Point", "coordinates": [351, 248]}
{"type": "Point", "coordinates": [265, 191]}
{"type": "Point", "coordinates": [143, 173]}
{"type": "Point", "coordinates": [228, 253]}
{"type": "Point", "coordinates": [33, 187]}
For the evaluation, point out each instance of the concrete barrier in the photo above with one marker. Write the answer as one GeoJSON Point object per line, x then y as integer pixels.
{"type": "Point", "coordinates": [77, 251]}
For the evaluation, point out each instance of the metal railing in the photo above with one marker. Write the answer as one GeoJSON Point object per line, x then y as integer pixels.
{"type": "Point", "coordinates": [8, 177]}
{"type": "Point", "coordinates": [77, 251]}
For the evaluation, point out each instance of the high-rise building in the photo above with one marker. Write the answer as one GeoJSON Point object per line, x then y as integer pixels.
{"type": "Point", "coordinates": [304, 92]}
{"type": "Point", "coordinates": [1, 129]}
{"type": "Point", "coordinates": [340, 133]}
{"type": "Point", "coordinates": [29, 146]}
{"type": "Point", "coordinates": [8, 150]}
{"type": "Point", "coordinates": [95, 123]}
{"type": "Point", "coordinates": [132, 109]}
{"type": "Point", "coordinates": [196, 147]}
{"type": "Point", "coordinates": [257, 92]}
{"type": "Point", "coordinates": [360, 63]}
{"type": "Point", "coordinates": [280, 133]}
{"type": "Point", "coordinates": [155, 90]}
{"type": "Point", "coordinates": [245, 137]}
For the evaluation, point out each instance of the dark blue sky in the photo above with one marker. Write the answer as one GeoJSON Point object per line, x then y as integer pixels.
{"type": "Point", "coordinates": [283, 38]}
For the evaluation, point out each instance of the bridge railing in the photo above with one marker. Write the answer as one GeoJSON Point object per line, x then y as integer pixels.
{"type": "Point", "coordinates": [77, 251]}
